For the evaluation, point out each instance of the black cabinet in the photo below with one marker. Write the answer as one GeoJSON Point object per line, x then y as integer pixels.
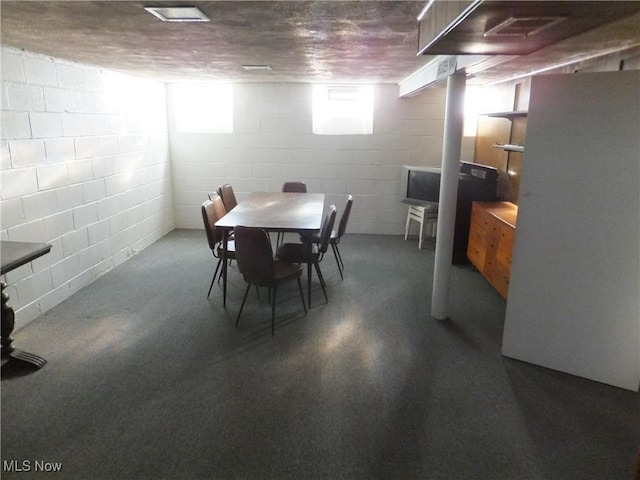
{"type": "Point", "coordinates": [475, 183]}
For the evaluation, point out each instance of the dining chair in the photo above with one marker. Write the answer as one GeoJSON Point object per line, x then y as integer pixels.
{"type": "Point", "coordinates": [258, 267]}
{"type": "Point", "coordinates": [228, 196]}
{"type": "Point", "coordinates": [210, 215]}
{"type": "Point", "coordinates": [292, 187]}
{"type": "Point", "coordinates": [337, 235]}
{"type": "Point", "coordinates": [310, 252]}
{"type": "Point", "coordinates": [296, 187]}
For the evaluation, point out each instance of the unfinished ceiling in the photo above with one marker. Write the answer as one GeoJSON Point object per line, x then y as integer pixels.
{"type": "Point", "coordinates": [302, 41]}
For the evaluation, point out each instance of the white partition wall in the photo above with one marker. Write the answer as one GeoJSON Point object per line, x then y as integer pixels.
{"type": "Point", "coordinates": [574, 295]}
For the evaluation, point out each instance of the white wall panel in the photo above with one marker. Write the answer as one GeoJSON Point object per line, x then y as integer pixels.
{"type": "Point", "coordinates": [574, 294]}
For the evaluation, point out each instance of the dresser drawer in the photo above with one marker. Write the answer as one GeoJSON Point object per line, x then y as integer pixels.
{"type": "Point", "coordinates": [498, 276]}
{"type": "Point", "coordinates": [505, 245]}
{"type": "Point", "coordinates": [476, 251]}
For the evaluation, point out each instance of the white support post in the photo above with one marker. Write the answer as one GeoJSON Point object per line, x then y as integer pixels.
{"type": "Point", "coordinates": [453, 124]}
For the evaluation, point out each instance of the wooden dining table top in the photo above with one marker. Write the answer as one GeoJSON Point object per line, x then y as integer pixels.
{"type": "Point", "coordinates": [277, 212]}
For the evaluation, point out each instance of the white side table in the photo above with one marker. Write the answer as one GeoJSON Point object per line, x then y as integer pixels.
{"type": "Point", "coordinates": [424, 216]}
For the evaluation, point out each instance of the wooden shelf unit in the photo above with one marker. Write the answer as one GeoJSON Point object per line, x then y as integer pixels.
{"type": "Point", "coordinates": [491, 237]}
{"type": "Point", "coordinates": [500, 143]}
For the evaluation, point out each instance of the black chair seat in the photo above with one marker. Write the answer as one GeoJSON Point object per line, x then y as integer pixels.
{"type": "Point", "coordinates": [297, 252]}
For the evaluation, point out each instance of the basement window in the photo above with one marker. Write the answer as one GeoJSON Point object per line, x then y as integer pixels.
{"type": "Point", "coordinates": [343, 110]}
{"type": "Point", "coordinates": [203, 108]}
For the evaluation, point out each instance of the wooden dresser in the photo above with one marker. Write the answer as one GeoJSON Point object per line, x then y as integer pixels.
{"type": "Point", "coordinates": [493, 226]}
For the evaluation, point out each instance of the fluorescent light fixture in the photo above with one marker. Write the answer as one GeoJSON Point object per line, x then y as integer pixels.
{"type": "Point", "coordinates": [256, 67]}
{"type": "Point", "coordinates": [178, 14]}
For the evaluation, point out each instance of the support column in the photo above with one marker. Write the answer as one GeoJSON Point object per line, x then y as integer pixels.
{"type": "Point", "coordinates": [453, 125]}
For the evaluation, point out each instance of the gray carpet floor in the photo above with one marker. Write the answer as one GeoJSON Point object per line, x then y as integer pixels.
{"type": "Point", "coordinates": [148, 379]}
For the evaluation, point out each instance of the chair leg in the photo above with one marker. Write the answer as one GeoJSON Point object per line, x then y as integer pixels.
{"type": "Point", "coordinates": [336, 255]}
{"type": "Point", "coordinates": [273, 310]}
{"type": "Point", "coordinates": [406, 227]}
{"type": "Point", "coordinates": [309, 282]}
{"type": "Point", "coordinates": [242, 306]}
{"type": "Point", "coordinates": [322, 282]}
{"type": "Point", "coordinates": [302, 295]}
{"type": "Point", "coordinates": [214, 277]}
{"type": "Point", "coordinates": [337, 250]}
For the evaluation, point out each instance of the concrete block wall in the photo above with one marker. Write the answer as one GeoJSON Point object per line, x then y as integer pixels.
{"type": "Point", "coordinates": [273, 142]}
{"type": "Point", "coordinates": [85, 167]}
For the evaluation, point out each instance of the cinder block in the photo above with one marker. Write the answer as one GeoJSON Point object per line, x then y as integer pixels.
{"type": "Point", "coordinates": [58, 224]}
{"type": "Point", "coordinates": [90, 257]}
{"type": "Point", "coordinates": [40, 70]}
{"type": "Point", "coordinates": [58, 100]}
{"type": "Point", "coordinates": [5, 156]}
{"type": "Point", "coordinates": [24, 97]}
{"type": "Point", "coordinates": [70, 77]}
{"type": "Point", "coordinates": [60, 150]}
{"type": "Point", "coordinates": [69, 197]}
{"type": "Point", "coordinates": [39, 205]}
{"type": "Point", "coordinates": [85, 215]}
{"type": "Point", "coordinates": [27, 313]}
{"type": "Point", "coordinates": [98, 232]}
{"type": "Point", "coordinates": [80, 171]}
{"type": "Point", "coordinates": [107, 145]}
{"type": "Point", "coordinates": [65, 270]}
{"type": "Point", "coordinates": [94, 190]}
{"type": "Point", "coordinates": [27, 153]}
{"type": "Point", "coordinates": [274, 125]}
{"type": "Point", "coordinates": [27, 232]}
{"type": "Point", "coordinates": [12, 68]}
{"type": "Point", "coordinates": [86, 147]}
{"type": "Point", "coordinates": [18, 182]}
{"type": "Point", "coordinates": [45, 125]}
{"type": "Point", "coordinates": [109, 206]}
{"type": "Point", "coordinates": [34, 286]}
{"type": "Point", "coordinates": [15, 125]}
{"type": "Point", "coordinates": [74, 241]}
{"type": "Point", "coordinates": [103, 167]}
{"type": "Point", "coordinates": [12, 212]}
{"type": "Point", "coordinates": [52, 176]}
{"type": "Point", "coordinates": [74, 124]}
{"type": "Point", "coordinates": [293, 110]}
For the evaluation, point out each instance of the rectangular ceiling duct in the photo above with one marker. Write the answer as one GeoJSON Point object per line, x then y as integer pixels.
{"type": "Point", "coordinates": [510, 27]}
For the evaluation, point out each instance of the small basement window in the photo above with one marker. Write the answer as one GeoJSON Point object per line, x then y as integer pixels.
{"type": "Point", "coordinates": [343, 110]}
{"type": "Point", "coordinates": [203, 108]}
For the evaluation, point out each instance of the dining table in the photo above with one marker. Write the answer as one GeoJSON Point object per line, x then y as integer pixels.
{"type": "Point", "coordinates": [274, 212]}
{"type": "Point", "coordinates": [14, 255]}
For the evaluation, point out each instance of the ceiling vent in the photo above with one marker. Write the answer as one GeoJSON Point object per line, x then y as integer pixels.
{"type": "Point", "coordinates": [178, 14]}
{"type": "Point", "coordinates": [522, 27]}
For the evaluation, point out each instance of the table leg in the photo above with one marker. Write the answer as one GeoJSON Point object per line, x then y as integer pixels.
{"type": "Point", "coordinates": [8, 324]}
{"type": "Point", "coordinates": [225, 242]}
